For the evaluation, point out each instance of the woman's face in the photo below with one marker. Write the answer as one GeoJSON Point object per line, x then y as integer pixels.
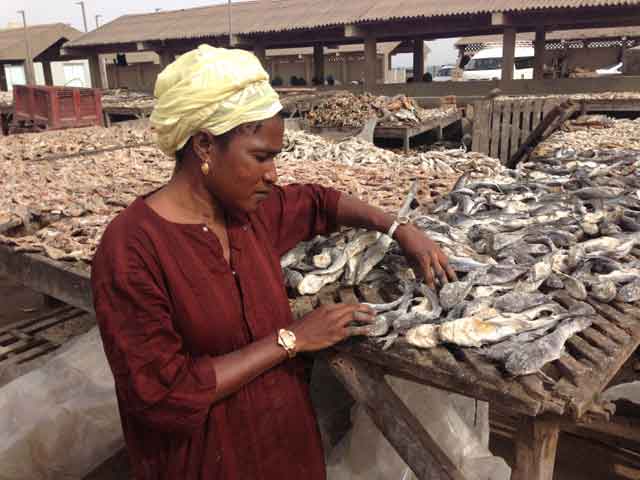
{"type": "Point", "coordinates": [243, 174]}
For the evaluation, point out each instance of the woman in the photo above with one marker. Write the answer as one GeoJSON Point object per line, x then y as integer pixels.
{"type": "Point", "coordinates": [189, 292]}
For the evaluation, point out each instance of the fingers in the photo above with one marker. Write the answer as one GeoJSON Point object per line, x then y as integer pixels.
{"type": "Point", "coordinates": [427, 271]}
{"type": "Point", "coordinates": [358, 331]}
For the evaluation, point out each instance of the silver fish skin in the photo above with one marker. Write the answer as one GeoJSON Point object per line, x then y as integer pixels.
{"type": "Point", "coordinates": [630, 293]}
{"type": "Point", "coordinates": [295, 255]}
{"type": "Point", "coordinates": [531, 357]}
{"type": "Point", "coordinates": [453, 293]}
{"type": "Point", "coordinates": [603, 290]}
{"type": "Point", "coordinates": [498, 275]}
{"type": "Point", "coordinates": [518, 301]}
{"type": "Point", "coordinates": [499, 352]}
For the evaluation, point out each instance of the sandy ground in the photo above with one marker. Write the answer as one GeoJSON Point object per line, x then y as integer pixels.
{"type": "Point", "coordinates": [578, 459]}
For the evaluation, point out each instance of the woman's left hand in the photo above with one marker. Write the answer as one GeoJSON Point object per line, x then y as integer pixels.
{"type": "Point", "coordinates": [426, 255]}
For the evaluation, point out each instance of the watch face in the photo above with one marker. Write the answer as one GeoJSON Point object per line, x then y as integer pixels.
{"type": "Point", "coordinates": [288, 337]}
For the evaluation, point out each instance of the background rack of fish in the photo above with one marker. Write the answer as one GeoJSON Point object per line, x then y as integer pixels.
{"type": "Point", "coordinates": [564, 225]}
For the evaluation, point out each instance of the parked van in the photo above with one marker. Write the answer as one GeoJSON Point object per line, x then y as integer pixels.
{"type": "Point", "coordinates": [487, 64]}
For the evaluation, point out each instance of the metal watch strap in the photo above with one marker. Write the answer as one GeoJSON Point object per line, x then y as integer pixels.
{"type": "Point", "coordinates": [396, 223]}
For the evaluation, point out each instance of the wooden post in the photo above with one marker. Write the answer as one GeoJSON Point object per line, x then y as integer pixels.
{"type": "Point", "coordinates": [308, 69]}
{"type": "Point", "coordinates": [540, 44]}
{"type": "Point", "coordinates": [3, 79]}
{"type": "Point", "coordinates": [418, 59]}
{"type": "Point", "coordinates": [166, 58]}
{"type": "Point", "coordinates": [318, 63]}
{"type": "Point", "coordinates": [400, 427]}
{"type": "Point", "coordinates": [508, 53]}
{"type": "Point", "coordinates": [344, 69]}
{"type": "Point", "coordinates": [48, 75]}
{"type": "Point", "coordinates": [536, 443]}
{"type": "Point", "coordinates": [371, 63]}
{"type": "Point", "coordinates": [260, 51]}
{"type": "Point", "coordinates": [94, 69]}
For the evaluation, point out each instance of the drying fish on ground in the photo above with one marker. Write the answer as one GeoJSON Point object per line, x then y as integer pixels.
{"type": "Point", "coordinates": [125, 98]}
{"type": "Point", "coordinates": [347, 110]}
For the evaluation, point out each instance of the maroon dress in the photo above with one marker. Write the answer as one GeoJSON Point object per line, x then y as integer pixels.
{"type": "Point", "coordinates": [167, 303]}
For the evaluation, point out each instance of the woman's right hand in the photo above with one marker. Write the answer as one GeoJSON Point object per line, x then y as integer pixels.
{"type": "Point", "coordinates": [329, 325]}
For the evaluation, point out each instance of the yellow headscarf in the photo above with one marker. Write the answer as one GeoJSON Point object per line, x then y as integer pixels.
{"type": "Point", "coordinates": [214, 89]}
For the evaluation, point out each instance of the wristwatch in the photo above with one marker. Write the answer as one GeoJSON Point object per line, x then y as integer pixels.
{"type": "Point", "coordinates": [287, 340]}
{"type": "Point", "coordinates": [397, 222]}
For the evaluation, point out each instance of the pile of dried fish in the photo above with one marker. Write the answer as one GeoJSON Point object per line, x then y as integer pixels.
{"type": "Point", "coordinates": [525, 245]}
{"type": "Point", "coordinates": [57, 143]}
{"type": "Point", "coordinates": [6, 99]}
{"type": "Point", "coordinates": [53, 183]}
{"type": "Point", "coordinates": [347, 110]}
{"type": "Point", "coordinates": [612, 134]}
{"type": "Point", "coordinates": [124, 98]}
{"type": "Point", "coordinates": [588, 97]}
{"type": "Point", "coordinates": [355, 151]}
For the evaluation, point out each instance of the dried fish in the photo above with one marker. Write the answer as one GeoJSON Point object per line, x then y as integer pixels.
{"type": "Point", "coordinates": [530, 358]}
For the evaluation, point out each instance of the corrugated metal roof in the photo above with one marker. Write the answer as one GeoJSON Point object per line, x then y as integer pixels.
{"type": "Point", "coordinates": [41, 37]}
{"type": "Point", "coordinates": [284, 15]}
{"type": "Point", "coordinates": [582, 34]}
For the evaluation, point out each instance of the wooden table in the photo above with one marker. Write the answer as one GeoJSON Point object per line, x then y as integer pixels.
{"type": "Point", "coordinates": [138, 113]}
{"type": "Point", "coordinates": [543, 408]}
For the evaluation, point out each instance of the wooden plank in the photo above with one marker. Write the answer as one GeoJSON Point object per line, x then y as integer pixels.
{"type": "Point", "coordinates": [573, 369]}
{"type": "Point", "coordinates": [425, 456]}
{"type": "Point", "coordinates": [41, 348]}
{"type": "Point", "coordinates": [610, 330]}
{"type": "Point", "coordinates": [505, 131]}
{"type": "Point", "coordinates": [419, 365]}
{"type": "Point", "coordinates": [525, 128]}
{"type": "Point", "coordinates": [618, 318]}
{"type": "Point", "coordinates": [587, 351]}
{"type": "Point", "coordinates": [31, 328]}
{"type": "Point", "coordinates": [496, 122]}
{"type": "Point", "coordinates": [68, 284]}
{"type": "Point", "coordinates": [536, 443]}
{"type": "Point", "coordinates": [516, 125]}
{"type": "Point", "coordinates": [537, 115]}
{"type": "Point", "coordinates": [597, 339]}
{"type": "Point", "coordinates": [28, 321]}
{"type": "Point", "coordinates": [481, 126]}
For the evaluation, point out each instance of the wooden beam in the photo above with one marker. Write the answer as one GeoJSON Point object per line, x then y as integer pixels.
{"type": "Point", "coordinates": [46, 276]}
{"type": "Point", "coordinates": [3, 79]}
{"type": "Point", "coordinates": [354, 31]}
{"type": "Point", "coordinates": [371, 63]}
{"type": "Point", "coordinates": [414, 444]}
{"type": "Point", "coordinates": [318, 63]}
{"type": "Point", "coordinates": [166, 57]}
{"type": "Point", "coordinates": [536, 444]}
{"type": "Point", "coordinates": [48, 75]}
{"type": "Point", "coordinates": [418, 59]}
{"type": "Point", "coordinates": [261, 52]}
{"type": "Point", "coordinates": [539, 45]}
{"type": "Point", "coordinates": [94, 70]}
{"type": "Point", "coordinates": [572, 18]}
{"type": "Point", "coordinates": [508, 53]}
{"type": "Point", "coordinates": [500, 19]}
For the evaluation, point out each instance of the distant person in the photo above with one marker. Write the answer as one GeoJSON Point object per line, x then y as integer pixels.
{"type": "Point", "coordinates": [427, 77]}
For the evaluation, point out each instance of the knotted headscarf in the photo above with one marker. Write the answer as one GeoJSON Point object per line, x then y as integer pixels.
{"type": "Point", "coordinates": [214, 89]}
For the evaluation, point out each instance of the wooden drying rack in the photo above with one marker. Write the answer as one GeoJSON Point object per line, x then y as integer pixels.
{"type": "Point", "coordinates": [567, 398]}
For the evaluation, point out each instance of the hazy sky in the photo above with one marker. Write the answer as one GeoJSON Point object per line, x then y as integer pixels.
{"type": "Point", "coordinates": [66, 11]}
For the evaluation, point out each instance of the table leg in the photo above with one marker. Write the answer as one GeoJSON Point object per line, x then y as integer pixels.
{"type": "Point", "coordinates": [411, 441]}
{"type": "Point", "coordinates": [406, 142]}
{"type": "Point", "coordinates": [536, 443]}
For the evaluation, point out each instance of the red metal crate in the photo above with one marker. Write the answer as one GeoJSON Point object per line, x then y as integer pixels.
{"type": "Point", "coordinates": [57, 107]}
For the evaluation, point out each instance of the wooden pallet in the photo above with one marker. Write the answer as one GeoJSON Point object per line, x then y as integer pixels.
{"type": "Point", "coordinates": [592, 358]}
{"type": "Point", "coordinates": [40, 334]}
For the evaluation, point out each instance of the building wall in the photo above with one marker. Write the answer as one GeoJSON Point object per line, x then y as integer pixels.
{"type": "Point", "coordinates": [139, 77]}
{"type": "Point", "coordinates": [63, 73]}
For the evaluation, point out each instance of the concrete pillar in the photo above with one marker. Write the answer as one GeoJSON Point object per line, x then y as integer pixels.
{"type": "Point", "coordinates": [308, 69]}
{"type": "Point", "coordinates": [508, 53]}
{"type": "Point", "coordinates": [370, 63]}
{"type": "Point", "coordinates": [539, 45]}
{"type": "Point", "coordinates": [623, 48]}
{"type": "Point", "coordinates": [103, 72]}
{"type": "Point", "coordinates": [344, 69]}
{"type": "Point", "coordinates": [318, 63]}
{"type": "Point", "coordinates": [48, 75]}
{"type": "Point", "coordinates": [261, 52]}
{"type": "Point", "coordinates": [94, 69]}
{"type": "Point", "coordinates": [166, 57]}
{"type": "Point", "coordinates": [29, 72]}
{"type": "Point", "coordinates": [418, 59]}
{"type": "Point", "coordinates": [3, 79]}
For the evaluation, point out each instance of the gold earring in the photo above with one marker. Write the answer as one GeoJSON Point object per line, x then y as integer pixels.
{"type": "Point", "coordinates": [205, 168]}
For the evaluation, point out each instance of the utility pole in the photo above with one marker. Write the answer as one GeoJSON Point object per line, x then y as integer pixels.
{"type": "Point", "coordinates": [229, 15]}
{"type": "Point", "coordinates": [84, 16]}
{"type": "Point", "coordinates": [29, 71]}
{"type": "Point", "coordinates": [98, 21]}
